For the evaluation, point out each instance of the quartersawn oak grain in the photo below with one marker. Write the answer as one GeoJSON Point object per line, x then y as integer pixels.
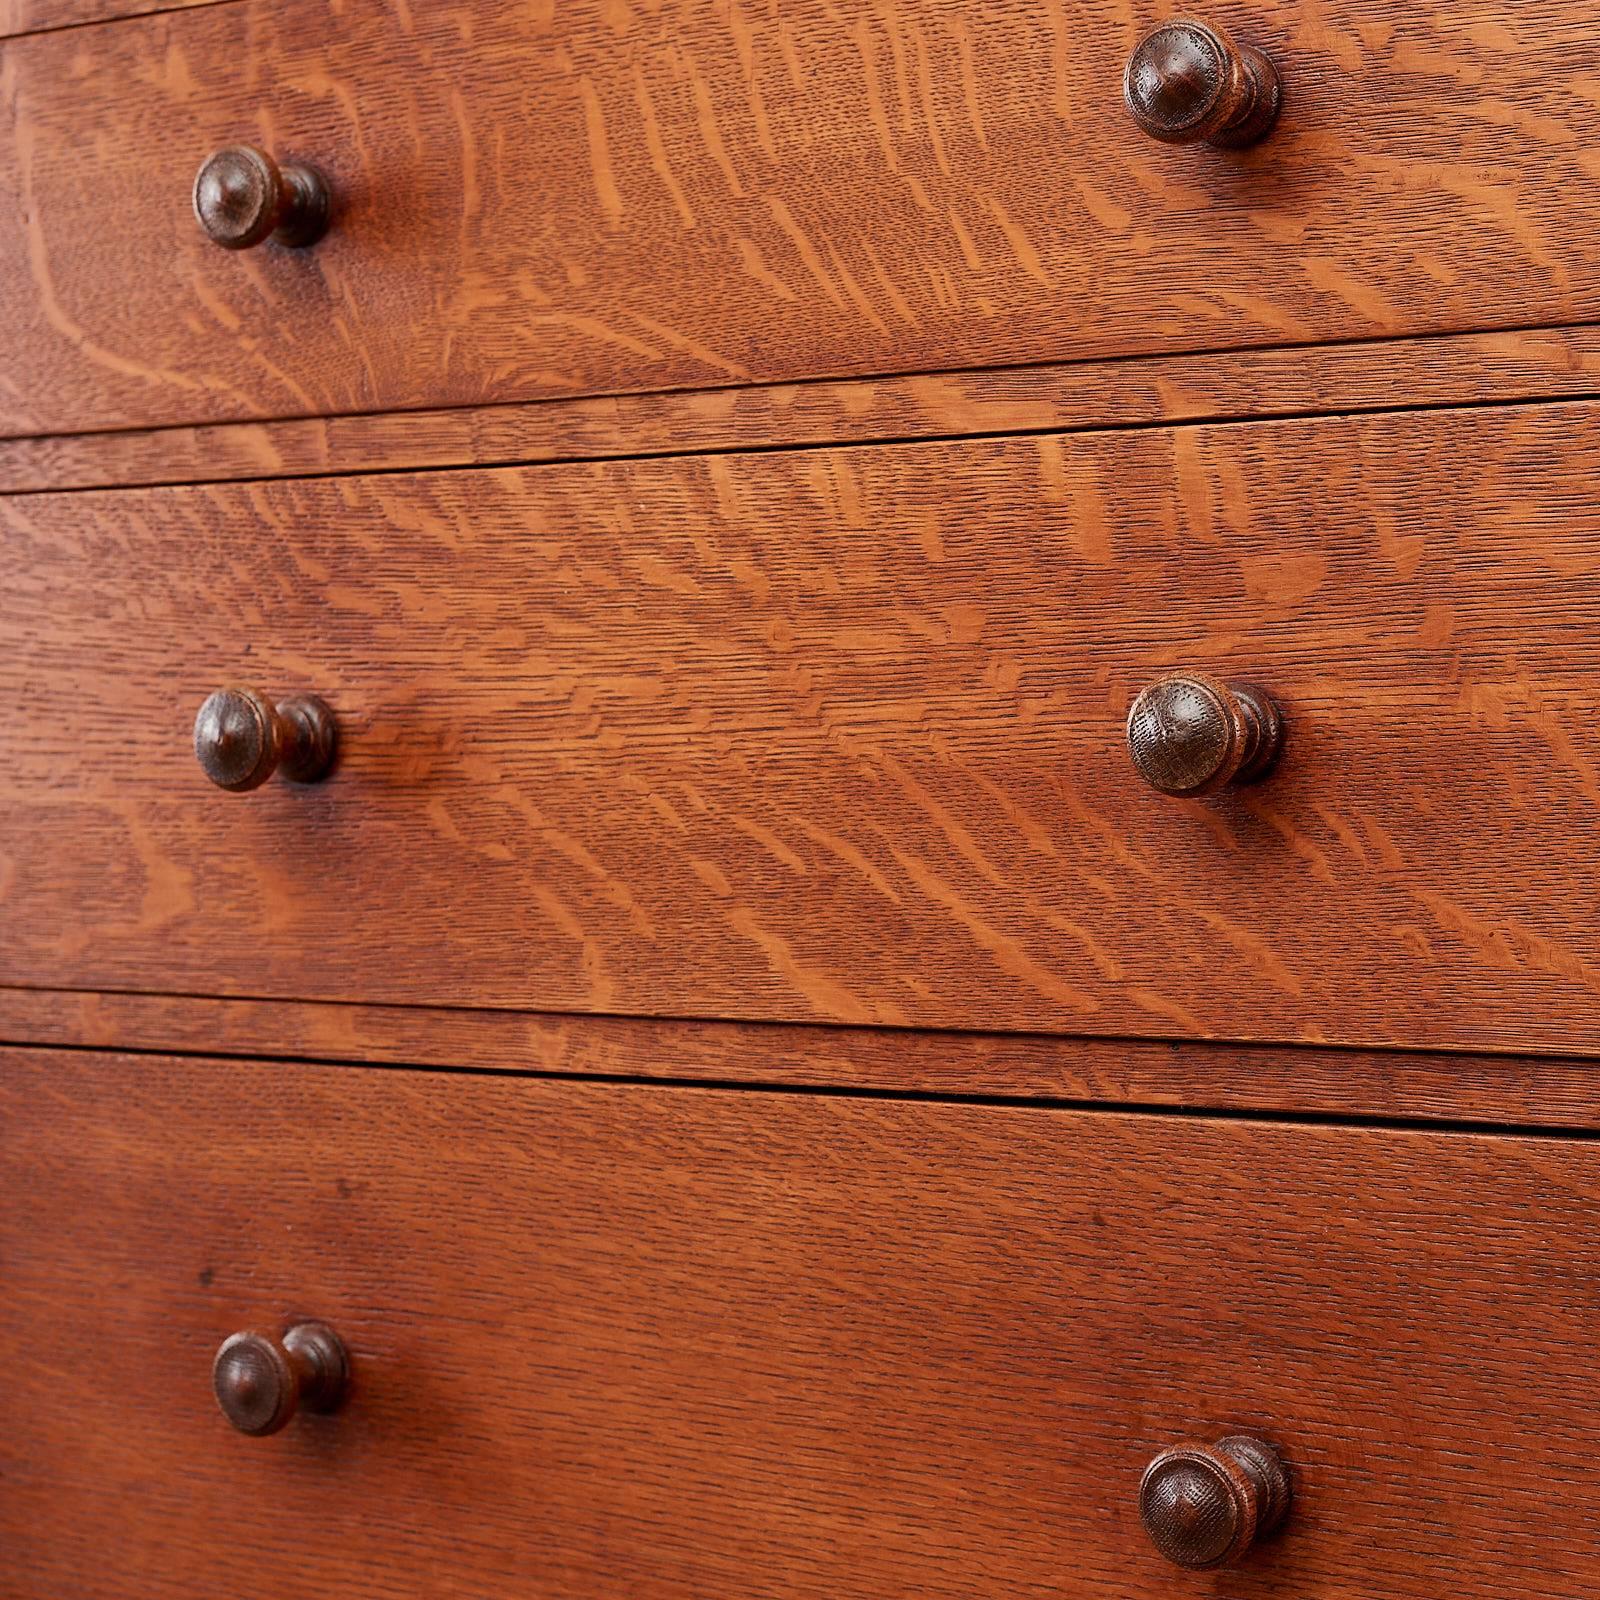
{"type": "Point", "coordinates": [677, 1343]}
{"type": "Point", "coordinates": [1454, 369]}
{"type": "Point", "coordinates": [1534, 1091]}
{"type": "Point", "coordinates": [837, 735]}
{"type": "Point", "coordinates": [594, 198]}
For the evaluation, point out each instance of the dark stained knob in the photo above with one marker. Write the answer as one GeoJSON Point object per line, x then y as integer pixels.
{"type": "Point", "coordinates": [261, 1381]}
{"type": "Point", "coordinates": [1192, 735]}
{"type": "Point", "coordinates": [241, 738]}
{"type": "Point", "coordinates": [242, 197]}
{"type": "Point", "coordinates": [1189, 82]}
{"type": "Point", "coordinates": [1204, 1506]}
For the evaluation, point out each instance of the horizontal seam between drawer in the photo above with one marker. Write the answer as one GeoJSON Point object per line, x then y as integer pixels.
{"type": "Point", "coordinates": [1376, 1122]}
{"type": "Point", "coordinates": [1211, 1044]}
{"type": "Point", "coordinates": [121, 16]}
{"type": "Point", "coordinates": [888, 442]}
{"type": "Point", "coordinates": [1382, 341]}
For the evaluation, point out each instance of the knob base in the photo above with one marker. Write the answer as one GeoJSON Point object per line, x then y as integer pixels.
{"type": "Point", "coordinates": [1263, 731]}
{"type": "Point", "coordinates": [1262, 96]}
{"type": "Point", "coordinates": [1266, 1467]}
{"type": "Point", "coordinates": [324, 1365]}
{"type": "Point", "coordinates": [310, 738]}
{"type": "Point", "coordinates": [309, 208]}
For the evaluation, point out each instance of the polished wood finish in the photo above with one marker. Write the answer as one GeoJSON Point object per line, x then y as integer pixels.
{"type": "Point", "coordinates": [1190, 734]}
{"type": "Point", "coordinates": [1457, 369]}
{"type": "Point", "coordinates": [820, 716]}
{"type": "Point", "coordinates": [241, 739]}
{"type": "Point", "coordinates": [1205, 1506]}
{"type": "Point", "coordinates": [592, 199]}
{"type": "Point", "coordinates": [681, 1343]}
{"type": "Point", "coordinates": [1402, 1085]}
{"type": "Point", "coordinates": [1190, 82]}
{"type": "Point", "coordinates": [838, 735]}
{"type": "Point", "coordinates": [261, 1380]}
{"type": "Point", "coordinates": [242, 198]}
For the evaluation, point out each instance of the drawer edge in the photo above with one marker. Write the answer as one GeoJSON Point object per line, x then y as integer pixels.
{"type": "Point", "coordinates": [1293, 1080]}
{"type": "Point", "coordinates": [1515, 365]}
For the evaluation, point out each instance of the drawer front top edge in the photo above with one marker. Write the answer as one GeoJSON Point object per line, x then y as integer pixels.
{"type": "Point", "coordinates": [694, 198]}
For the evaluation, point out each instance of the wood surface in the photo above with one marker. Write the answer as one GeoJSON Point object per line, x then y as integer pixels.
{"type": "Point", "coordinates": [1455, 369]}
{"type": "Point", "coordinates": [1411, 1086]}
{"type": "Point", "coordinates": [40, 16]}
{"type": "Point", "coordinates": [595, 198]}
{"type": "Point", "coordinates": [838, 735]}
{"type": "Point", "coordinates": [676, 1344]}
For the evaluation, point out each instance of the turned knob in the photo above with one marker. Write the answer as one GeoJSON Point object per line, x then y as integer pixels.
{"type": "Point", "coordinates": [1192, 735]}
{"type": "Point", "coordinates": [261, 1381]}
{"type": "Point", "coordinates": [1189, 82]}
{"type": "Point", "coordinates": [1205, 1505]}
{"type": "Point", "coordinates": [242, 196]}
{"type": "Point", "coordinates": [241, 738]}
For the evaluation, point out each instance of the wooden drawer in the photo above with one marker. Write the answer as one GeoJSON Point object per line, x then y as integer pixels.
{"type": "Point", "coordinates": [675, 1343]}
{"type": "Point", "coordinates": [838, 735]}
{"type": "Point", "coordinates": [593, 198]}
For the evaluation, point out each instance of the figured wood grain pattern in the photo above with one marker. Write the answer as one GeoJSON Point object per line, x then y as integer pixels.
{"type": "Point", "coordinates": [678, 1344]}
{"type": "Point", "coordinates": [1453, 369]}
{"type": "Point", "coordinates": [837, 735]}
{"type": "Point", "coordinates": [1533, 1091]}
{"type": "Point", "coordinates": [592, 198]}
{"type": "Point", "coordinates": [37, 16]}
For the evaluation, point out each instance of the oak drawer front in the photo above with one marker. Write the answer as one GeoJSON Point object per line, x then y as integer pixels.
{"type": "Point", "coordinates": [688, 1344]}
{"type": "Point", "coordinates": [838, 735]}
{"type": "Point", "coordinates": [592, 199]}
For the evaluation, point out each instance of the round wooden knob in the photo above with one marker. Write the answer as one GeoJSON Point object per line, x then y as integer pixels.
{"type": "Point", "coordinates": [1205, 1505]}
{"type": "Point", "coordinates": [261, 1381]}
{"type": "Point", "coordinates": [241, 738]}
{"type": "Point", "coordinates": [242, 197]}
{"type": "Point", "coordinates": [1189, 82]}
{"type": "Point", "coordinates": [1191, 735]}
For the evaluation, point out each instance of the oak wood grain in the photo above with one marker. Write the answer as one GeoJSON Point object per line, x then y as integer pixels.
{"type": "Point", "coordinates": [1455, 369]}
{"type": "Point", "coordinates": [838, 735]}
{"type": "Point", "coordinates": [1533, 1091]}
{"type": "Point", "coordinates": [594, 198]}
{"type": "Point", "coordinates": [680, 1343]}
{"type": "Point", "coordinates": [39, 16]}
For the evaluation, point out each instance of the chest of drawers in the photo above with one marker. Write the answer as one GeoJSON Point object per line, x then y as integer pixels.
{"type": "Point", "coordinates": [798, 800]}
